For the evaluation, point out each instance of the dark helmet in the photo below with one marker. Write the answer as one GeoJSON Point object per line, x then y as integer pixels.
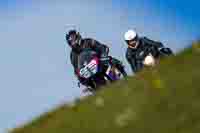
{"type": "Point", "coordinates": [73, 38]}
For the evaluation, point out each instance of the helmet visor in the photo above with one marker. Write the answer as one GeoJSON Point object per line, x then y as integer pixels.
{"type": "Point", "coordinates": [132, 43]}
{"type": "Point", "coordinates": [72, 39]}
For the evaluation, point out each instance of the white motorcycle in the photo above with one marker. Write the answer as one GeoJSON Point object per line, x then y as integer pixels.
{"type": "Point", "coordinates": [151, 61]}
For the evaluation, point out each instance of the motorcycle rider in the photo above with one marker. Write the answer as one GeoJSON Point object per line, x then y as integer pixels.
{"type": "Point", "coordinates": [139, 47]}
{"type": "Point", "coordinates": [78, 44]}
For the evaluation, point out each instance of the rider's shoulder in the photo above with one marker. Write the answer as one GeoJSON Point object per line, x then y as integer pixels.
{"type": "Point", "coordinates": [91, 41]}
{"type": "Point", "coordinates": [146, 39]}
{"type": "Point", "coordinates": [88, 39]}
{"type": "Point", "coordinates": [149, 41]}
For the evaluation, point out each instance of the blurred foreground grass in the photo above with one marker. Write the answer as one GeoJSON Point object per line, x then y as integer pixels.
{"type": "Point", "coordinates": [165, 99]}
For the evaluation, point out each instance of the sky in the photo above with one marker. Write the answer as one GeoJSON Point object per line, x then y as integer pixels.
{"type": "Point", "coordinates": [35, 70]}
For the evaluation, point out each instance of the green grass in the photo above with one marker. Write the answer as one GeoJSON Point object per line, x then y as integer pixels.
{"type": "Point", "coordinates": [165, 99]}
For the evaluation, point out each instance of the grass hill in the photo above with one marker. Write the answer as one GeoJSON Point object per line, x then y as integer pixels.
{"type": "Point", "coordinates": [164, 99]}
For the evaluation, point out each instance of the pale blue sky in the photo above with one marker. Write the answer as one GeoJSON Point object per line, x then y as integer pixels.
{"type": "Point", "coordinates": [36, 74]}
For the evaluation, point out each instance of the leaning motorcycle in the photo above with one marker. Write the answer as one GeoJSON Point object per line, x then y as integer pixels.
{"type": "Point", "coordinates": [151, 57]}
{"type": "Point", "coordinates": [95, 71]}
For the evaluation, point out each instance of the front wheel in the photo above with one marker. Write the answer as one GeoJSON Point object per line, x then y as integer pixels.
{"type": "Point", "coordinates": [96, 83]}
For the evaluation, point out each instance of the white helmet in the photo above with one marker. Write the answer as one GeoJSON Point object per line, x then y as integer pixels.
{"type": "Point", "coordinates": [131, 39]}
{"type": "Point", "coordinates": [130, 35]}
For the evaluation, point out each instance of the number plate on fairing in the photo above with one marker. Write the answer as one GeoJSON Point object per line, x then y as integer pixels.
{"type": "Point", "coordinates": [89, 70]}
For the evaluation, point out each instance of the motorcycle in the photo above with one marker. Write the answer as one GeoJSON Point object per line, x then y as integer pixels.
{"type": "Point", "coordinates": [150, 59]}
{"type": "Point", "coordinates": [95, 71]}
